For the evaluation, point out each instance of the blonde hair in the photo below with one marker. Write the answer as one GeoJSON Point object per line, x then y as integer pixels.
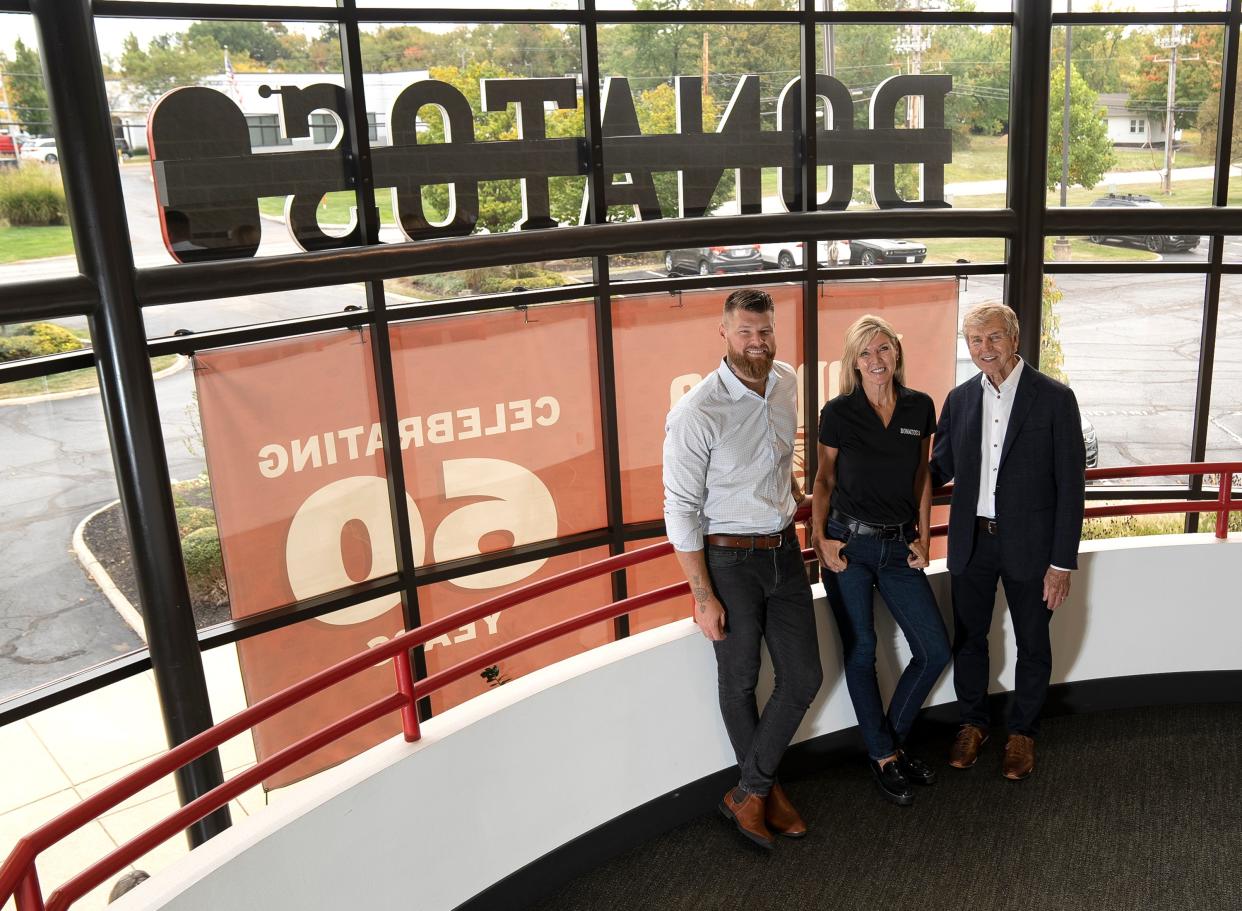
{"type": "Point", "coordinates": [857, 336]}
{"type": "Point", "coordinates": [988, 312]}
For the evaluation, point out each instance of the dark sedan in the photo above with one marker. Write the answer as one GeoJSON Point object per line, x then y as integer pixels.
{"type": "Point", "coordinates": [714, 260]}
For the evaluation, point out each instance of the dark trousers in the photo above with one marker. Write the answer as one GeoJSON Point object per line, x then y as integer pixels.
{"type": "Point", "coordinates": [766, 597]}
{"type": "Point", "coordinates": [974, 596]}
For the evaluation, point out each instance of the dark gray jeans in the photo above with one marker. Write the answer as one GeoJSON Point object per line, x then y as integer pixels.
{"type": "Point", "coordinates": [766, 596]}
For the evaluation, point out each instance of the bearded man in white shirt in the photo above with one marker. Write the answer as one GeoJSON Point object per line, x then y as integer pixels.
{"type": "Point", "coordinates": [1010, 439]}
{"type": "Point", "coordinates": [729, 503]}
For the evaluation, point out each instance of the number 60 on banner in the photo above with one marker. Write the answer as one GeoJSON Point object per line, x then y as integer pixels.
{"type": "Point", "coordinates": [519, 503]}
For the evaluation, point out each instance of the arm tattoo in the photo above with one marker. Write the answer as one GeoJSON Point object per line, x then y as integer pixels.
{"type": "Point", "coordinates": [700, 591]}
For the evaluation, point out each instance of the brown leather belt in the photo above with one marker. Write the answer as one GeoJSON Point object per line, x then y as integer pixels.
{"type": "Point", "coordinates": [987, 526]}
{"type": "Point", "coordinates": [751, 542]}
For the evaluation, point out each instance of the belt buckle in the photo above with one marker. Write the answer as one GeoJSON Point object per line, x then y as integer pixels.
{"type": "Point", "coordinates": [890, 532]}
{"type": "Point", "coordinates": [991, 526]}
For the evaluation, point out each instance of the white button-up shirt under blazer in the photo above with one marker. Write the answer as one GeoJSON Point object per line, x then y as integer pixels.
{"type": "Point", "coordinates": [997, 406]}
{"type": "Point", "coordinates": [728, 458]}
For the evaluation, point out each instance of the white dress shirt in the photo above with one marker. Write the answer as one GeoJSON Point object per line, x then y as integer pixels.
{"type": "Point", "coordinates": [728, 458]}
{"type": "Point", "coordinates": [997, 407]}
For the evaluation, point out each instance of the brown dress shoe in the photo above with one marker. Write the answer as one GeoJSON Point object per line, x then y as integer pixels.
{"type": "Point", "coordinates": [781, 816]}
{"type": "Point", "coordinates": [1019, 757]}
{"type": "Point", "coordinates": [965, 750]}
{"type": "Point", "coordinates": [747, 811]}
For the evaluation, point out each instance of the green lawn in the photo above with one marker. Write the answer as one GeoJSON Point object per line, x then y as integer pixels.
{"type": "Point", "coordinates": [70, 381]}
{"type": "Point", "coordinates": [334, 208]}
{"type": "Point", "coordinates": [34, 243]}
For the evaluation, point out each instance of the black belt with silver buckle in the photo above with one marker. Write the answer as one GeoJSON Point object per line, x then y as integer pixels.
{"type": "Point", "coordinates": [885, 532]}
{"type": "Point", "coordinates": [988, 526]}
{"type": "Point", "coordinates": [751, 542]}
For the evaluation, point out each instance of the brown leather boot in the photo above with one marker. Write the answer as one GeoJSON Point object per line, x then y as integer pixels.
{"type": "Point", "coordinates": [781, 816]}
{"type": "Point", "coordinates": [1019, 757]}
{"type": "Point", "coordinates": [965, 750]}
{"type": "Point", "coordinates": [747, 811]}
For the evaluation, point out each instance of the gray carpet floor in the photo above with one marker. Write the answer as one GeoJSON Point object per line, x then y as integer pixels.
{"type": "Point", "coordinates": [1131, 809]}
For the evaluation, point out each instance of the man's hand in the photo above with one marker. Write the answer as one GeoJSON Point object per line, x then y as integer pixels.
{"type": "Point", "coordinates": [709, 614]}
{"type": "Point", "coordinates": [1056, 587]}
{"type": "Point", "coordinates": [829, 552]}
{"type": "Point", "coordinates": [918, 555]}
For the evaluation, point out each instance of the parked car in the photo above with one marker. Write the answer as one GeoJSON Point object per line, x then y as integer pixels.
{"type": "Point", "coordinates": [713, 260]}
{"type": "Point", "coordinates": [40, 150]}
{"type": "Point", "coordinates": [1156, 243]}
{"type": "Point", "coordinates": [876, 252]}
{"type": "Point", "coordinates": [788, 255]}
{"type": "Point", "coordinates": [1090, 442]}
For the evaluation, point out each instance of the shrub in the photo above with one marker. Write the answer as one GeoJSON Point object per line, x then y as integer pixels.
{"type": "Point", "coordinates": [204, 565]}
{"type": "Point", "coordinates": [32, 196]}
{"type": "Point", "coordinates": [192, 518]}
{"type": "Point", "coordinates": [1138, 526]}
{"type": "Point", "coordinates": [37, 340]}
{"type": "Point", "coordinates": [532, 280]}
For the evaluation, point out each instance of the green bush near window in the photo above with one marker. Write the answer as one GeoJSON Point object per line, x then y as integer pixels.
{"type": "Point", "coordinates": [193, 518]}
{"type": "Point", "coordinates": [528, 279]}
{"type": "Point", "coordinates": [1139, 526]}
{"type": "Point", "coordinates": [32, 196]}
{"type": "Point", "coordinates": [204, 564]}
{"type": "Point", "coordinates": [36, 340]}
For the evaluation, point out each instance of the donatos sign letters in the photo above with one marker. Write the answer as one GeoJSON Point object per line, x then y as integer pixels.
{"type": "Point", "coordinates": [208, 180]}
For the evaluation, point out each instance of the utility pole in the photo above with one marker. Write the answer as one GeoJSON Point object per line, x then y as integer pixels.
{"type": "Point", "coordinates": [830, 62]}
{"type": "Point", "coordinates": [1172, 43]}
{"type": "Point", "coordinates": [1061, 246]}
{"type": "Point", "coordinates": [706, 70]}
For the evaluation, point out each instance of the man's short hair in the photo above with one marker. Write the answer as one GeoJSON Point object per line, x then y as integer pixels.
{"type": "Point", "coordinates": [988, 312]}
{"type": "Point", "coordinates": [127, 882]}
{"type": "Point", "coordinates": [753, 299]}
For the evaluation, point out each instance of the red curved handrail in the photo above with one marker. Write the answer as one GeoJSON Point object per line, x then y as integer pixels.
{"type": "Point", "coordinates": [18, 874]}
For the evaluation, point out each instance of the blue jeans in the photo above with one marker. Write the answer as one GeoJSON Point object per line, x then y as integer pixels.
{"type": "Point", "coordinates": [875, 563]}
{"type": "Point", "coordinates": [766, 598]}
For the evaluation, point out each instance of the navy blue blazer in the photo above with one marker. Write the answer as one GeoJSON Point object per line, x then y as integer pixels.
{"type": "Point", "coordinates": [1039, 486]}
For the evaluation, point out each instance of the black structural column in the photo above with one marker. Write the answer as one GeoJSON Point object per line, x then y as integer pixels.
{"type": "Point", "coordinates": [101, 236]}
{"type": "Point", "coordinates": [1216, 254]}
{"type": "Point", "coordinates": [1028, 165]}
{"type": "Point", "coordinates": [597, 214]}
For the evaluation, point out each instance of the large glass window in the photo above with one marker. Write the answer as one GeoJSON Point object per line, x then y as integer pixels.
{"type": "Point", "coordinates": [1128, 345]}
{"type": "Point", "coordinates": [1165, 78]}
{"type": "Point", "coordinates": [56, 477]}
{"type": "Point", "coordinates": [956, 79]}
{"type": "Point", "coordinates": [35, 240]}
{"type": "Point", "coordinates": [1224, 439]}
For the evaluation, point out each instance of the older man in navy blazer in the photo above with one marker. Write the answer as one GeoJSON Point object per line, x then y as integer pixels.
{"type": "Point", "coordinates": [1010, 439]}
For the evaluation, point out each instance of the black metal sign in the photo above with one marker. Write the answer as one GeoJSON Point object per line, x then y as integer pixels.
{"type": "Point", "coordinates": [209, 180]}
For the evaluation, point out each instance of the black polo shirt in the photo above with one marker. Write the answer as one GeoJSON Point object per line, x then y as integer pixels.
{"type": "Point", "coordinates": [876, 464]}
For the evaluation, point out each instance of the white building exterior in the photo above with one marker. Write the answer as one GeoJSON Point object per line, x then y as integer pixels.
{"type": "Point", "coordinates": [263, 114]}
{"type": "Point", "coordinates": [1132, 128]}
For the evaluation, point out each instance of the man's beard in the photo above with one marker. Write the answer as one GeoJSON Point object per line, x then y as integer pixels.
{"type": "Point", "coordinates": [751, 368]}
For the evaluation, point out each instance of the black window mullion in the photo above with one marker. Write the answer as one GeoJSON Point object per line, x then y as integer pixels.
{"type": "Point", "coordinates": [597, 214]}
{"type": "Point", "coordinates": [381, 344]}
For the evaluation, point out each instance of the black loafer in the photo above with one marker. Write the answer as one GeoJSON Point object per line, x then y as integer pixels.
{"type": "Point", "coordinates": [892, 784]}
{"type": "Point", "coordinates": [916, 770]}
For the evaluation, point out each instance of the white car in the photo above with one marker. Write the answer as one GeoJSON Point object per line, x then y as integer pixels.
{"type": "Point", "coordinates": [788, 255]}
{"type": "Point", "coordinates": [40, 150]}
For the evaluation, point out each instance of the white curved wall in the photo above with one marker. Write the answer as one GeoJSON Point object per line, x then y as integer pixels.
{"type": "Point", "coordinates": [516, 773]}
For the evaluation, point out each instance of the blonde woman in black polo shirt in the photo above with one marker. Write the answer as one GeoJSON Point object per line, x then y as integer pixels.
{"type": "Point", "coordinates": [871, 528]}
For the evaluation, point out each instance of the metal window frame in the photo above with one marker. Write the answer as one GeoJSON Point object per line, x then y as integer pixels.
{"type": "Point", "coordinates": [110, 291]}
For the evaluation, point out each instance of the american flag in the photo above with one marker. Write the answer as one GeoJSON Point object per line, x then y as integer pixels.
{"type": "Point", "coordinates": [230, 78]}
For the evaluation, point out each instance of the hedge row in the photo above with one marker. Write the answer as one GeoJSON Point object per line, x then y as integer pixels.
{"type": "Point", "coordinates": [32, 196]}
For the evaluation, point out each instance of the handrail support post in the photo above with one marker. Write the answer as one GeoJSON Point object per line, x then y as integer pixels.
{"type": "Point", "coordinates": [28, 897]}
{"type": "Point", "coordinates": [405, 686]}
{"type": "Point", "coordinates": [1222, 499]}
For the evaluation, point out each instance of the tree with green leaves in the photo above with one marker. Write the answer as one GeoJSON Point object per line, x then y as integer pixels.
{"type": "Point", "coordinates": [23, 78]}
{"type": "Point", "coordinates": [1198, 76]}
{"type": "Point", "coordinates": [1090, 150]}
{"type": "Point", "coordinates": [258, 41]}
{"type": "Point", "coordinates": [169, 61]}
